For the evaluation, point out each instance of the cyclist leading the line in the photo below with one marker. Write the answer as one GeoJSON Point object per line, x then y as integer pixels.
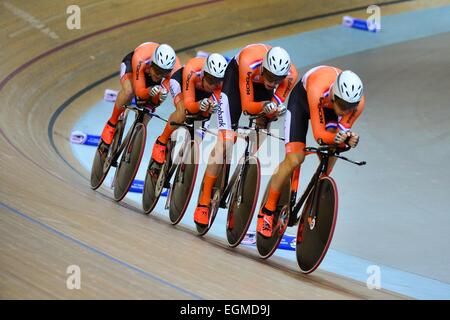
{"type": "Point", "coordinates": [144, 73]}
{"type": "Point", "coordinates": [258, 79]}
{"type": "Point", "coordinates": [333, 99]}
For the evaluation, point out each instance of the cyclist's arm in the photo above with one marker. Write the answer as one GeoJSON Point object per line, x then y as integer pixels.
{"type": "Point", "coordinates": [321, 135]}
{"type": "Point", "coordinates": [246, 89]}
{"type": "Point", "coordinates": [348, 120]}
{"type": "Point", "coordinates": [286, 86]}
{"type": "Point", "coordinates": [140, 90]}
{"type": "Point", "coordinates": [191, 105]}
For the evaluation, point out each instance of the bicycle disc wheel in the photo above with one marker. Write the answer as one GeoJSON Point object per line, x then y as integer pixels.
{"type": "Point", "coordinates": [216, 197]}
{"type": "Point", "coordinates": [102, 162]}
{"type": "Point", "coordinates": [267, 246]}
{"type": "Point", "coordinates": [314, 239]}
{"type": "Point", "coordinates": [242, 206]}
{"type": "Point", "coordinates": [129, 162]}
{"type": "Point", "coordinates": [184, 182]}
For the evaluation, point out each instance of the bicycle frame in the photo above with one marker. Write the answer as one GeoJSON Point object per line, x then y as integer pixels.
{"type": "Point", "coordinates": [241, 170]}
{"type": "Point", "coordinates": [140, 114]}
{"type": "Point", "coordinates": [189, 125]}
{"type": "Point", "coordinates": [324, 153]}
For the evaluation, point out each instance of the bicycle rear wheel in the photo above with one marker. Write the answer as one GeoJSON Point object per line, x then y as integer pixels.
{"type": "Point", "coordinates": [130, 161]}
{"type": "Point", "coordinates": [103, 161]}
{"type": "Point", "coordinates": [313, 240]}
{"type": "Point", "coordinates": [184, 182]}
{"type": "Point", "coordinates": [242, 206]}
{"type": "Point", "coordinates": [267, 246]}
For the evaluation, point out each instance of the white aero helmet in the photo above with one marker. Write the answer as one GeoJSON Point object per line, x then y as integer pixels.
{"type": "Point", "coordinates": [277, 61]}
{"type": "Point", "coordinates": [215, 65]}
{"type": "Point", "coordinates": [164, 57]}
{"type": "Point", "coordinates": [348, 89]}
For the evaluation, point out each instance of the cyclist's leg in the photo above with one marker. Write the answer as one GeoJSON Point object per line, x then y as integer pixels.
{"type": "Point", "coordinates": [227, 116]}
{"type": "Point", "coordinates": [176, 87]}
{"type": "Point", "coordinates": [159, 148]}
{"type": "Point", "coordinates": [124, 97]}
{"type": "Point", "coordinates": [296, 127]}
{"type": "Point", "coordinates": [221, 151]}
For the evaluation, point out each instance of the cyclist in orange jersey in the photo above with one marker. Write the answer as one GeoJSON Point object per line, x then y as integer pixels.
{"type": "Point", "coordinates": [333, 100]}
{"type": "Point", "coordinates": [257, 80]}
{"type": "Point", "coordinates": [144, 73]}
{"type": "Point", "coordinates": [195, 89]}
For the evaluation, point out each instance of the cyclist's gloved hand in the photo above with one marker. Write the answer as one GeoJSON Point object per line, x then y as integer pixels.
{"type": "Point", "coordinates": [205, 104]}
{"type": "Point", "coordinates": [354, 139]}
{"type": "Point", "coordinates": [341, 136]}
{"type": "Point", "coordinates": [269, 107]}
{"type": "Point", "coordinates": [158, 91]}
{"type": "Point", "coordinates": [163, 95]}
{"type": "Point", "coordinates": [155, 90]}
{"type": "Point", "coordinates": [214, 107]}
{"type": "Point", "coordinates": [281, 109]}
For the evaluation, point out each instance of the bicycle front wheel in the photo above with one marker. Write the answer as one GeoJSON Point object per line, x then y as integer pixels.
{"type": "Point", "coordinates": [243, 201]}
{"type": "Point", "coordinates": [184, 182]}
{"type": "Point", "coordinates": [130, 161]}
{"type": "Point", "coordinates": [102, 162]}
{"type": "Point", "coordinates": [314, 237]}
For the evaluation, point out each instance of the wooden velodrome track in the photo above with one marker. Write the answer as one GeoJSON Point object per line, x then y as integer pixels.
{"type": "Point", "coordinates": [50, 218]}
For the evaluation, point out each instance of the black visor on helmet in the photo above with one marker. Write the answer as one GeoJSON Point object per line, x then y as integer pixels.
{"type": "Point", "coordinates": [272, 77]}
{"type": "Point", "coordinates": [344, 105]}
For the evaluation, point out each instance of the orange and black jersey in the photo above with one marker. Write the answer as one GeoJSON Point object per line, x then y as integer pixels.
{"type": "Point", "coordinates": [141, 80]}
{"type": "Point", "coordinates": [317, 83]}
{"type": "Point", "coordinates": [187, 84]}
{"type": "Point", "coordinates": [249, 60]}
{"type": "Point", "coordinates": [310, 99]}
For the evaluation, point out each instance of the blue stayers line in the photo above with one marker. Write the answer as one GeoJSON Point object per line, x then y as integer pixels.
{"type": "Point", "coordinates": [103, 254]}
